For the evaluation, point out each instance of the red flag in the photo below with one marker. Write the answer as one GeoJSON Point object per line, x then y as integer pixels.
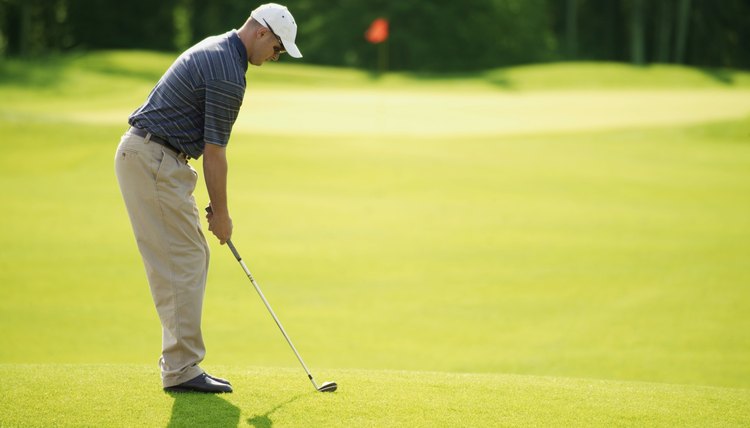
{"type": "Point", "coordinates": [378, 31]}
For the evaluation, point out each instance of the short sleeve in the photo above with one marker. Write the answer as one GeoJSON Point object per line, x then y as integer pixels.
{"type": "Point", "coordinates": [223, 102]}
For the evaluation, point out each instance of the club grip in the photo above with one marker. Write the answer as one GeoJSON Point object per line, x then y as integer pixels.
{"type": "Point", "coordinates": [234, 250]}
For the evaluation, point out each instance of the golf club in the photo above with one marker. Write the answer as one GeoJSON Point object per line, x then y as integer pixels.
{"type": "Point", "coordinates": [326, 386]}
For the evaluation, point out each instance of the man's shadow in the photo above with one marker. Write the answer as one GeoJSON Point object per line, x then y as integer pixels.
{"type": "Point", "coordinates": [264, 420]}
{"type": "Point", "coordinates": [202, 410]}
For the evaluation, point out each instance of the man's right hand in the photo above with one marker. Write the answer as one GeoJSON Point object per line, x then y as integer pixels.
{"type": "Point", "coordinates": [220, 224]}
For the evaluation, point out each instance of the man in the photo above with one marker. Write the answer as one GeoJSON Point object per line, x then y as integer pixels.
{"type": "Point", "coordinates": [189, 113]}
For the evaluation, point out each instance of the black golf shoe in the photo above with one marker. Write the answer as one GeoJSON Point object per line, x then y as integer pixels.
{"type": "Point", "coordinates": [200, 383]}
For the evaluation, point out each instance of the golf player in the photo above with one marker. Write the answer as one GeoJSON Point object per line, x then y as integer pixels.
{"type": "Point", "coordinates": [189, 114]}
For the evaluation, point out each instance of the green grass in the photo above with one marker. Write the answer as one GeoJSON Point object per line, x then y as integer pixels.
{"type": "Point", "coordinates": [454, 251]}
{"type": "Point", "coordinates": [118, 67]}
{"type": "Point", "coordinates": [126, 395]}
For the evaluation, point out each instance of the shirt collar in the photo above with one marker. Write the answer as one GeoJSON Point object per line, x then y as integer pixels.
{"type": "Point", "coordinates": [235, 40]}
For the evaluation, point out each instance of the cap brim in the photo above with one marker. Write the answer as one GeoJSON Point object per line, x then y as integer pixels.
{"type": "Point", "coordinates": [291, 49]}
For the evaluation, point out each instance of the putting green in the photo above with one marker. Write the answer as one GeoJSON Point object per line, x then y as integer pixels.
{"type": "Point", "coordinates": [418, 114]}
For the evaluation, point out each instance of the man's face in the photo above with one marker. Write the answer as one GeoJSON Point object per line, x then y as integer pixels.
{"type": "Point", "coordinates": [268, 47]}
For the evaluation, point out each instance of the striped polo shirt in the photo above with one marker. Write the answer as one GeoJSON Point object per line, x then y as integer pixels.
{"type": "Point", "coordinates": [198, 98]}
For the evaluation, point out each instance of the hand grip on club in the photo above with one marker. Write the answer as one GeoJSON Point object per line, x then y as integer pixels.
{"type": "Point", "coordinates": [229, 241]}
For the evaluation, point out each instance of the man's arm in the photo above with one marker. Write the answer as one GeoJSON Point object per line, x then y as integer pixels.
{"type": "Point", "coordinates": [215, 172]}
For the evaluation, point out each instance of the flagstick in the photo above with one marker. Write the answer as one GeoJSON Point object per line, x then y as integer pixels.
{"type": "Point", "coordinates": [377, 34]}
{"type": "Point", "coordinates": [383, 57]}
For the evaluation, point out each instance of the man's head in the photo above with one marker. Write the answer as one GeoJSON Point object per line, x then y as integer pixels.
{"type": "Point", "coordinates": [269, 32]}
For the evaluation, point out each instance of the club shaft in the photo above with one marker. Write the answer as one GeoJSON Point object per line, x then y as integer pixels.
{"type": "Point", "coordinates": [270, 310]}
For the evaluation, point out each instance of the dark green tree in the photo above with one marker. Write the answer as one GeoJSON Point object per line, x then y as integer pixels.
{"type": "Point", "coordinates": [425, 35]}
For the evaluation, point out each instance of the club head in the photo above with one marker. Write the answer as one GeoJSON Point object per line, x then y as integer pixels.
{"type": "Point", "coordinates": [328, 387]}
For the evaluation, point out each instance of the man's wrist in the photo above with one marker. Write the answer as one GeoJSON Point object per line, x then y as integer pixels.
{"type": "Point", "coordinates": [221, 212]}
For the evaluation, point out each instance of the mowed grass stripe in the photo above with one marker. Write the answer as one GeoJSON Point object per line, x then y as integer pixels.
{"type": "Point", "coordinates": [129, 395]}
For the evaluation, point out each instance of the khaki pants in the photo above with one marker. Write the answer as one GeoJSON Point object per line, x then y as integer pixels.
{"type": "Point", "coordinates": [157, 186]}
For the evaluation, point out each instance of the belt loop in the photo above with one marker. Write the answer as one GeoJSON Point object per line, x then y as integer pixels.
{"type": "Point", "coordinates": [147, 139]}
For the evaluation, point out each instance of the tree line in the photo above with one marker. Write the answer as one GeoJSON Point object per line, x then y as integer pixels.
{"type": "Point", "coordinates": [425, 35]}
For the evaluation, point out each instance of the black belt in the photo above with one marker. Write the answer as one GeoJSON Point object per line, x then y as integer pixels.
{"type": "Point", "coordinates": [158, 140]}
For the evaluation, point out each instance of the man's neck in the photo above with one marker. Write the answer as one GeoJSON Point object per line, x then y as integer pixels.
{"type": "Point", "coordinates": [245, 34]}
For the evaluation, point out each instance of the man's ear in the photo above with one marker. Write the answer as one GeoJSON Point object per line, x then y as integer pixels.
{"type": "Point", "coordinates": [260, 32]}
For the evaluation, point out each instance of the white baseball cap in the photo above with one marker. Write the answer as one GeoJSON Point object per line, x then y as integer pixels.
{"type": "Point", "coordinates": [278, 19]}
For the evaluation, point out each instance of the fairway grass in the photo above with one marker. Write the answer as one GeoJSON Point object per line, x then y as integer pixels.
{"type": "Point", "coordinates": [580, 246]}
{"type": "Point", "coordinates": [298, 100]}
{"type": "Point", "coordinates": [129, 395]}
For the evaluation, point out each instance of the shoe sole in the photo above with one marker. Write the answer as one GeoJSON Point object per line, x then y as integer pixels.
{"type": "Point", "coordinates": [202, 391]}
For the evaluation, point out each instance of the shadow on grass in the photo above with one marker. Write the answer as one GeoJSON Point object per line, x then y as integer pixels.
{"type": "Point", "coordinates": [35, 73]}
{"type": "Point", "coordinates": [51, 71]}
{"type": "Point", "coordinates": [264, 420]}
{"type": "Point", "coordinates": [496, 77]}
{"type": "Point", "coordinates": [202, 410]}
{"type": "Point", "coordinates": [725, 77]}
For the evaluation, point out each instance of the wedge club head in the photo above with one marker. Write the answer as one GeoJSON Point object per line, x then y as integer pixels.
{"type": "Point", "coordinates": [328, 387]}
